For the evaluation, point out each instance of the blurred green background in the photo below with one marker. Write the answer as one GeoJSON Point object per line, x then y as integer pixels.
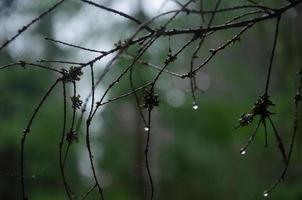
{"type": "Point", "coordinates": [194, 153]}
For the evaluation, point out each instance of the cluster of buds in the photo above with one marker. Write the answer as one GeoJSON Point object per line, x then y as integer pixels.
{"type": "Point", "coordinates": [260, 108]}
{"type": "Point", "coordinates": [73, 74]}
{"type": "Point", "coordinates": [76, 102]}
{"type": "Point", "coordinates": [72, 136]}
{"type": "Point", "coordinates": [245, 119]}
{"type": "Point", "coordinates": [122, 44]}
{"type": "Point", "coordinates": [150, 100]}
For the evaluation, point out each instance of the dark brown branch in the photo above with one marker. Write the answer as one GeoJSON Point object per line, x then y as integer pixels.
{"type": "Point", "coordinates": [88, 145]}
{"type": "Point", "coordinates": [297, 100]}
{"type": "Point", "coordinates": [27, 130]}
{"type": "Point", "coordinates": [147, 155]}
{"type": "Point", "coordinates": [153, 66]}
{"type": "Point", "coordinates": [279, 141]}
{"type": "Point", "coordinates": [74, 46]}
{"type": "Point", "coordinates": [272, 56]}
{"type": "Point", "coordinates": [119, 13]}
{"type": "Point", "coordinates": [251, 138]}
{"type": "Point", "coordinates": [24, 64]}
{"type": "Point", "coordinates": [126, 94]}
{"type": "Point", "coordinates": [24, 28]}
{"type": "Point", "coordinates": [61, 160]}
{"type": "Point", "coordinates": [194, 55]}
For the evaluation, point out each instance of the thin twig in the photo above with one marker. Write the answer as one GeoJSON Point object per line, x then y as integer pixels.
{"type": "Point", "coordinates": [27, 130]}
{"type": "Point", "coordinates": [24, 28]}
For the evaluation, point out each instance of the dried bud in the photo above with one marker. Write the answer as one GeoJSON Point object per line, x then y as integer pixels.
{"type": "Point", "coordinates": [76, 102]}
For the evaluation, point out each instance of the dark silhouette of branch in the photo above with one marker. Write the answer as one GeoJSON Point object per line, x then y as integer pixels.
{"type": "Point", "coordinates": [272, 56]}
{"type": "Point", "coordinates": [24, 64]}
{"type": "Point", "coordinates": [24, 28]}
{"type": "Point", "coordinates": [141, 40]}
{"type": "Point", "coordinates": [88, 123]}
{"type": "Point", "coordinates": [74, 46]}
{"type": "Point", "coordinates": [26, 131]}
{"type": "Point", "coordinates": [297, 100]}
{"type": "Point", "coordinates": [119, 13]}
{"type": "Point", "coordinates": [61, 160]}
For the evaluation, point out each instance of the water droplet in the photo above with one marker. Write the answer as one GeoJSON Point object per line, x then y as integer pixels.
{"type": "Point", "coordinates": [265, 193]}
{"type": "Point", "coordinates": [146, 128]}
{"type": "Point", "coordinates": [195, 106]}
{"type": "Point", "coordinates": [242, 152]}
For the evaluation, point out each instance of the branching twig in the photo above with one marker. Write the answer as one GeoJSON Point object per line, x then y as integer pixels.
{"type": "Point", "coordinates": [142, 39]}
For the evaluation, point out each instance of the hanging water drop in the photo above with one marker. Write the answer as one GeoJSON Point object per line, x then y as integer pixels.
{"type": "Point", "coordinates": [146, 128]}
{"type": "Point", "coordinates": [242, 152]}
{"type": "Point", "coordinates": [265, 193]}
{"type": "Point", "coordinates": [195, 106]}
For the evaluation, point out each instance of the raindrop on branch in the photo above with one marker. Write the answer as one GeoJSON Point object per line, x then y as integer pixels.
{"type": "Point", "coordinates": [195, 106]}
{"type": "Point", "coordinates": [242, 151]}
{"type": "Point", "coordinates": [265, 193]}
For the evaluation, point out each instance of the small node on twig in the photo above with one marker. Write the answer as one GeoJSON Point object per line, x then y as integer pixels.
{"type": "Point", "coordinates": [22, 64]}
{"type": "Point", "coordinates": [212, 50]}
{"type": "Point", "coordinates": [160, 31]}
{"type": "Point", "coordinates": [118, 44]}
{"type": "Point", "coordinates": [72, 136]}
{"type": "Point", "coordinates": [22, 29]}
{"type": "Point", "coordinates": [170, 58]}
{"type": "Point", "coordinates": [122, 44]}
{"type": "Point", "coordinates": [98, 104]}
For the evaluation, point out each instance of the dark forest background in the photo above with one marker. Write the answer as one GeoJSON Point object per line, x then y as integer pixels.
{"type": "Point", "coordinates": [194, 153]}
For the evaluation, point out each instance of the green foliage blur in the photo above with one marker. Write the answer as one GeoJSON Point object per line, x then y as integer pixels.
{"type": "Point", "coordinates": [194, 153]}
